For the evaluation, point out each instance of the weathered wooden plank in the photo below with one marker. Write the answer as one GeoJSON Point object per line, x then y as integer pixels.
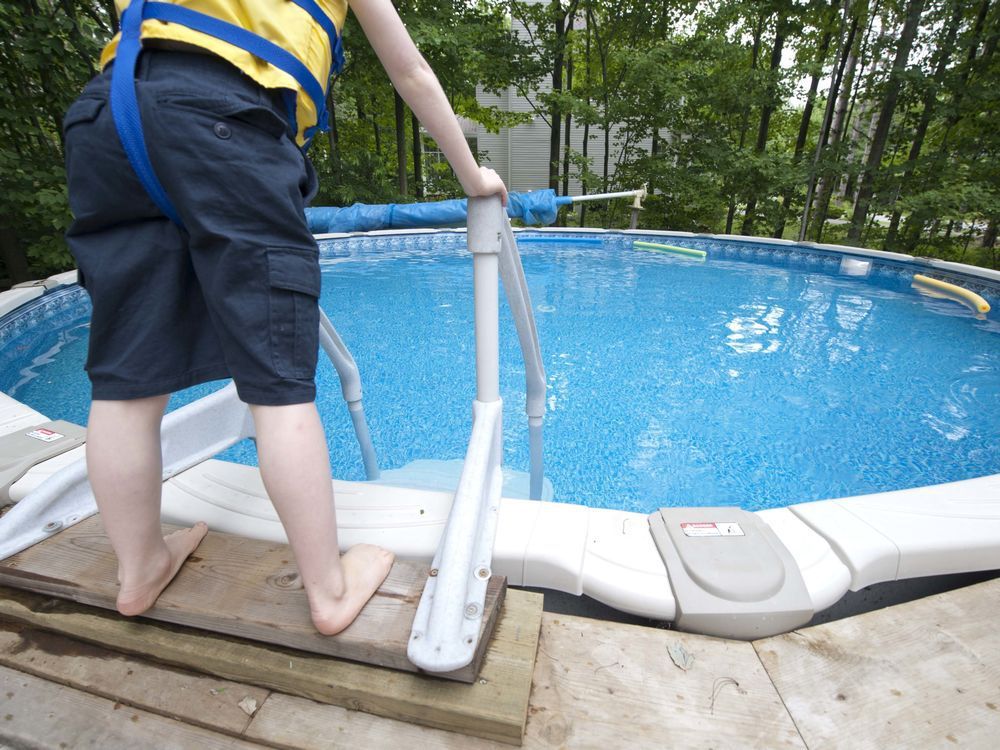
{"type": "Point", "coordinates": [192, 698]}
{"type": "Point", "coordinates": [243, 587]}
{"type": "Point", "coordinates": [292, 722]}
{"type": "Point", "coordinates": [495, 706]}
{"type": "Point", "coordinates": [598, 685]}
{"type": "Point", "coordinates": [921, 674]}
{"type": "Point", "coordinates": [601, 684]}
{"type": "Point", "coordinates": [41, 714]}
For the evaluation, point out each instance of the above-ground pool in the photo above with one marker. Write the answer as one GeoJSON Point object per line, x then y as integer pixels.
{"type": "Point", "coordinates": [762, 377]}
{"type": "Point", "coordinates": [809, 421]}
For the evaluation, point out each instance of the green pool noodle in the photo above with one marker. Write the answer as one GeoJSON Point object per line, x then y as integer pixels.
{"type": "Point", "coordinates": [657, 247]}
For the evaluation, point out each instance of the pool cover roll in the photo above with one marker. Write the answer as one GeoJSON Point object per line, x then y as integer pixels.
{"type": "Point", "coordinates": [538, 207]}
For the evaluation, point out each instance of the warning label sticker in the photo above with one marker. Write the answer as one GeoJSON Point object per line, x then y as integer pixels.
{"type": "Point", "coordinates": [45, 435]}
{"type": "Point", "coordinates": [712, 528]}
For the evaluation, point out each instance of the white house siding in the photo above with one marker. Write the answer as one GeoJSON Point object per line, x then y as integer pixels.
{"type": "Point", "coordinates": [520, 155]}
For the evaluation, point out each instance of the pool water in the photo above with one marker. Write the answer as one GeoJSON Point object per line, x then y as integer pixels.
{"type": "Point", "coordinates": [759, 378]}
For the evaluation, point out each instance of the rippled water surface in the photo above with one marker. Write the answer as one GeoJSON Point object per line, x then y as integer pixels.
{"type": "Point", "coordinates": [758, 378]}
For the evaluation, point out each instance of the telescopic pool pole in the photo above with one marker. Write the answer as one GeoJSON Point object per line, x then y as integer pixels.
{"type": "Point", "coordinates": [636, 195]}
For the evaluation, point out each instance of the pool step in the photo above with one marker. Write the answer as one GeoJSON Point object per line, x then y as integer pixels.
{"type": "Point", "coordinates": [442, 475]}
{"type": "Point", "coordinates": [730, 574]}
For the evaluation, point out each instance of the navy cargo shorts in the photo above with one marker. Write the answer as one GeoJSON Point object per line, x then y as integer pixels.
{"type": "Point", "coordinates": [232, 294]}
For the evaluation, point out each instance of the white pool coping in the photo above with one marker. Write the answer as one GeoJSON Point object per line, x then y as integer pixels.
{"type": "Point", "coordinates": [839, 544]}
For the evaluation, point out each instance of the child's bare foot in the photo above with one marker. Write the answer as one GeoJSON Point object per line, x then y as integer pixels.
{"type": "Point", "coordinates": [135, 597]}
{"type": "Point", "coordinates": [364, 566]}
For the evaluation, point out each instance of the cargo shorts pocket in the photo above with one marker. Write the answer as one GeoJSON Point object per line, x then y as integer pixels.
{"type": "Point", "coordinates": [223, 111]}
{"type": "Point", "coordinates": [84, 109]}
{"type": "Point", "coordinates": [294, 280]}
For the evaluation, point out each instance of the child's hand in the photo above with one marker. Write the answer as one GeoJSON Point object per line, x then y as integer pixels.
{"type": "Point", "coordinates": [486, 182]}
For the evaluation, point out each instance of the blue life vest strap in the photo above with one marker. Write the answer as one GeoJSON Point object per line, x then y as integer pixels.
{"type": "Point", "coordinates": [336, 46]}
{"type": "Point", "coordinates": [125, 109]}
{"type": "Point", "coordinates": [124, 102]}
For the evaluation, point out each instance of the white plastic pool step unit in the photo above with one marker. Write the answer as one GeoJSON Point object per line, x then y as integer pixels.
{"type": "Point", "coordinates": [837, 545]}
{"type": "Point", "coordinates": [609, 555]}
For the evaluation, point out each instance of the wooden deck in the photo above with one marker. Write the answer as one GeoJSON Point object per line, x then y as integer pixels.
{"type": "Point", "coordinates": [920, 675]}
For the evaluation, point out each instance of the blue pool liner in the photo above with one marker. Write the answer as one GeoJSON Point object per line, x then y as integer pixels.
{"type": "Point", "coordinates": [560, 240]}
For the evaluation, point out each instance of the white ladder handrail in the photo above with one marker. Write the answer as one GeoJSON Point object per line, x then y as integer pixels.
{"type": "Point", "coordinates": [447, 625]}
{"type": "Point", "coordinates": [516, 287]}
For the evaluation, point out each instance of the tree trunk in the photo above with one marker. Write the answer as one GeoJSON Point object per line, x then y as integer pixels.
{"type": "Point", "coordinates": [990, 240]}
{"type": "Point", "coordinates": [970, 58]}
{"type": "Point", "coordinates": [400, 144]}
{"type": "Point", "coordinates": [840, 63]}
{"type": "Point", "coordinates": [606, 123]}
{"type": "Point", "coordinates": [607, 148]}
{"type": "Point", "coordinates": [851, 185]}
{"type": "Point", "coordinates": [929, 100]}
{"type": "Point", "coordinates": [14, 259]}
{"type": "Point", "coordinates": [418, 152]}
{"type": "Point", "coordinates": [800, 141]}
{"type": "Point", "coordinates": [824, 190]}
{"type": "Point", "coordinates": [377, 131]}
{"type": "Point", "coordinates": [585, 146]}
{"type": "Point", "coordinates": [556, 114]}
{"type": "Point", "coordinates": [765, 117]}
{"type": "Point", "coordinates": [866, 189]}
{"type": "Point", "coordinates": [744, 124]}
{"type": "Point", "coordinates": [569, 121]}
{"type": "Point", "coordinates": [331, 107]}
{"type": "Point", "coordinates": [847, 173]}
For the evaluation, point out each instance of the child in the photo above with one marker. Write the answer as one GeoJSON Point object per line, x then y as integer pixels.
{"type": "Point", "coordinates": [192, 243]}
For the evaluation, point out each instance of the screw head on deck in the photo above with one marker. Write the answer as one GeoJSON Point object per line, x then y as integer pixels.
{"type": "Point", "coordinates": [472, 611]}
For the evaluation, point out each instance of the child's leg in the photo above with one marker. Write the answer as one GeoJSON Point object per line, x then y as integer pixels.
{"type": "Point", "coordinates": [295, 467]}
{"type": "Point", "coordinates": [125, 466]}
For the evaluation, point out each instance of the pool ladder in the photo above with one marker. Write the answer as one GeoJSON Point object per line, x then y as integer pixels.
{"type": "Point", "coordinates": [446, 627]}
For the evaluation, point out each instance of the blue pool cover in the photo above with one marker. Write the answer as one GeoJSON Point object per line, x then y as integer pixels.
{"type": "Point", "coordinates": [539, 207]}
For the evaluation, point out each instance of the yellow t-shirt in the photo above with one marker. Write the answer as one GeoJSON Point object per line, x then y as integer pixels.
{"type": "Point", "coordinates": [279, 21]}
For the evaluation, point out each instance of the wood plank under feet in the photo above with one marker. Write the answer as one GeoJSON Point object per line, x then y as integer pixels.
{"type": "Point", "coordinates": [243, 587]}
{"type": "Point", "coordinates": [495, 706]}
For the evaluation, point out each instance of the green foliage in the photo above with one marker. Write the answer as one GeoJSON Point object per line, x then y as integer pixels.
{"type": "Point", "coordinates": [48, 50]}
{"type": "Point", "coordinates": [467, 45]}
{"type": "Point", "coordinates": [695, 77]}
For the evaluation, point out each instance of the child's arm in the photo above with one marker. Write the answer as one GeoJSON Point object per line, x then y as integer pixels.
{"type": "Point", "coordinates": [419, 87]}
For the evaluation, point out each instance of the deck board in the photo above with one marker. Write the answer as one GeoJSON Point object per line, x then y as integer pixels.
{"type": "Point", "coordinates": [603, 685]}
{"type": "Point", "coordinates": [242, 587]}
{"type": "Point", "coordinates": [195, 699]}
{"type": "Point", "coordinates": [495, 706]}
{"type": "Point", "coordinates": [921, 674]}
{"type": "Point", "coordinates": [598, 686]}
{"type": "Point", "coordinates": [41, 714]}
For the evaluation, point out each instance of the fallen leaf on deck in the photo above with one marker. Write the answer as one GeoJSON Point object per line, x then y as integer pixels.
{"type": "Point", "coordinates": [680, 656]}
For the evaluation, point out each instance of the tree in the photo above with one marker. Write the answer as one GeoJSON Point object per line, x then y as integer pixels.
{"type": "Point", "coordinates": [47, 52]}
{"type": "Point", "coordinates": [914, 8]}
